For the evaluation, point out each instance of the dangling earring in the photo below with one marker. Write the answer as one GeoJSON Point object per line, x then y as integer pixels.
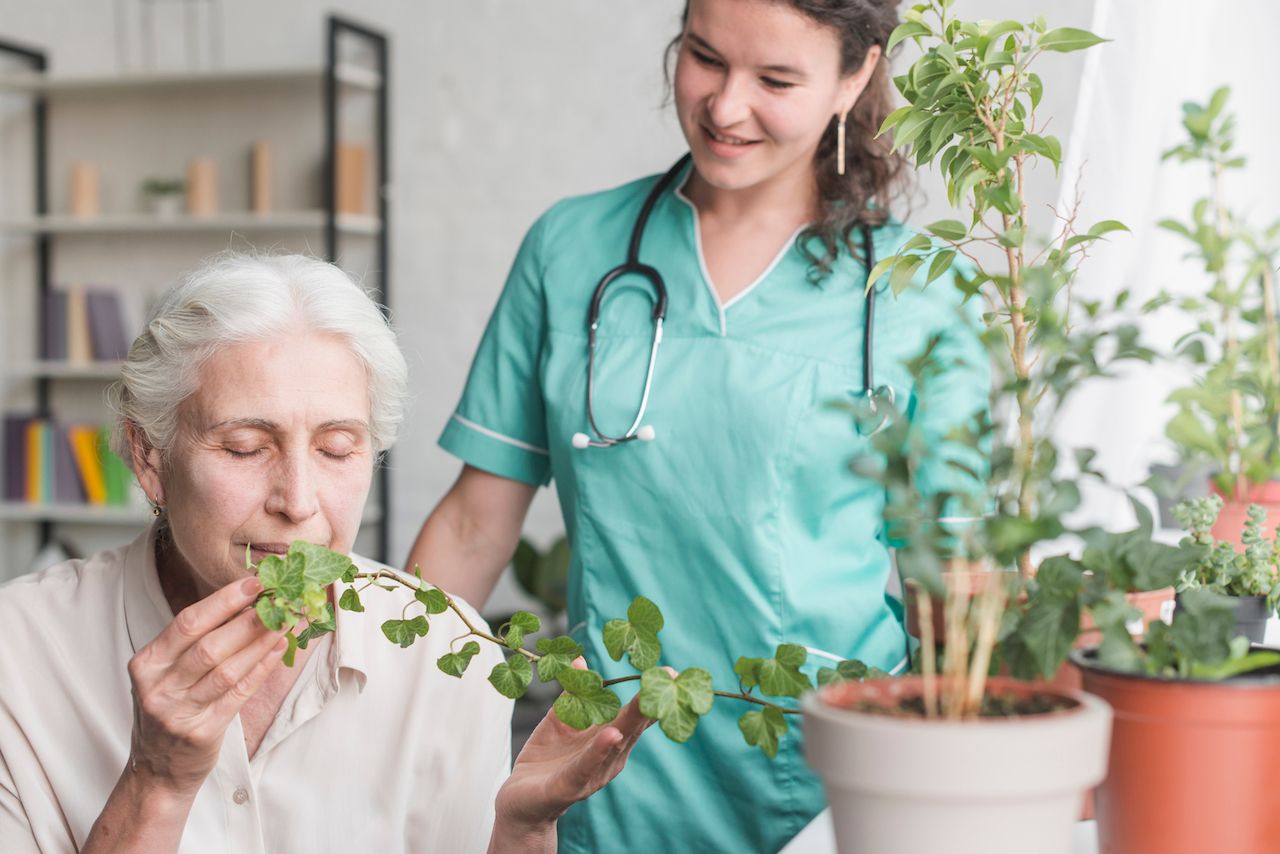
{"type": "Point", "coordinates": [155, 510]}
{"type": "Point", "coordinates": [840, 146]}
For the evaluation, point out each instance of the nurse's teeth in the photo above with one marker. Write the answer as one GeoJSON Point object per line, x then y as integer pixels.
{"type": "Point", "coordinates": [718, 138]}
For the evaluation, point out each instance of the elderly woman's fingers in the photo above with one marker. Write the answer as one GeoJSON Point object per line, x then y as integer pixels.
{"type": "Point", "coordinates": [248, 648]}
{"type": "Point", "coordinates": [209, 653]}
{"type": "Point", "coordinates": [195, 621]}
{"type": "Point", "coordinates": [228, 705]}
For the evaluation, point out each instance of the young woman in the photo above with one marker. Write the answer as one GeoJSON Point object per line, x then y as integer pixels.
{"type": "Point", "coordinates": [740, 517]}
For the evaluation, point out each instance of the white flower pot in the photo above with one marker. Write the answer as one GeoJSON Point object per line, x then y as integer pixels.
{"type": "Point", "coordinates": [991, 786]}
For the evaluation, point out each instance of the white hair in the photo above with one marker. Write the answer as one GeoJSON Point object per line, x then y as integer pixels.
{"type": "Point", "coordinates": [237, 298]}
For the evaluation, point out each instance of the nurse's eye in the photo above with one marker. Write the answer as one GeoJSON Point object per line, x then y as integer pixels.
{"type": "Point", "coordinates": [705, 59]}
{"type": "Point", "coordinates": [776, 84]}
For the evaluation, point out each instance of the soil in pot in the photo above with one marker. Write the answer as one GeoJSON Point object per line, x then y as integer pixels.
{"type": "Point", "coordinates": [1193, 765]}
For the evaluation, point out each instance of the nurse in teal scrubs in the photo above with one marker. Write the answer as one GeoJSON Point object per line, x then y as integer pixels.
{"type": "Point", "coordinates": [741, 518]}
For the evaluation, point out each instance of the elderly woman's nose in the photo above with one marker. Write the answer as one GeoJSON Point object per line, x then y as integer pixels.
{"type": "Point", "coordinates": [294, 489]}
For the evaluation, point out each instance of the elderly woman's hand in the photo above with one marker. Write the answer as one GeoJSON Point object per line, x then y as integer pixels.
{"type": "Point", "coordinates": [191, 681]}
{"type": "Point", "coordinates": [558, 767]}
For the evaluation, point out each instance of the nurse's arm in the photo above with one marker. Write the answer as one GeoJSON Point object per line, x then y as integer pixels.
{"type": "Point", "coordinates": [470, 537]}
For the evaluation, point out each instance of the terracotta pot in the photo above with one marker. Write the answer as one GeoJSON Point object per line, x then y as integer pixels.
{"type": "Point", "coordinates": [1235, 510]}
{"type": "Point", "coordinates": [1195, 766]}
{"type": "Point", "coordinates": [991, 786]}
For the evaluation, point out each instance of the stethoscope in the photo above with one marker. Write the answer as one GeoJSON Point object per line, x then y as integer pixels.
{"type": "Point", "coordinates": [872, 405]}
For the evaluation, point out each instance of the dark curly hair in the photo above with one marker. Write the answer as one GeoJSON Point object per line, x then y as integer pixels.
{"type": "Point", "coordinates": [874, 174]}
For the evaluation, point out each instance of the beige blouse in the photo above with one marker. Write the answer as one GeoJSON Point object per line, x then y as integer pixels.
{"type": "Point", "coordinates": [374, 749]}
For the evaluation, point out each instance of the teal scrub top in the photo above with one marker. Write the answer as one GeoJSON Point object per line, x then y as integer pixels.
{"type": "Point", "coordinates": [741, 520]}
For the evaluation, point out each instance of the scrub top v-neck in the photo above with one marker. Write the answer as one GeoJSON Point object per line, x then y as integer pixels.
{"type": "Point", "coordinates": [742, 520]}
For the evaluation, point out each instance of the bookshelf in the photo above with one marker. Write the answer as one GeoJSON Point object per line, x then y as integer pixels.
{"type": "Point", "coordinates": [125, 124]}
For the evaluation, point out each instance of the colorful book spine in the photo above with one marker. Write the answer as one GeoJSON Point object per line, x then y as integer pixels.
{"type": "Point", "coordinates": [84, 446]}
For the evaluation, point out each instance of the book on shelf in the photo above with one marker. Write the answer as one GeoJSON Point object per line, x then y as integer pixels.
{"type": "Point", "coordinates": [84, 324]}
{"type": "Point", "coordinates": [48, 462]}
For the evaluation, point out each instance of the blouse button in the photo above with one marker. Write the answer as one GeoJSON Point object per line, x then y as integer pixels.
{"type": "Point", "coordinates": [241, 795]}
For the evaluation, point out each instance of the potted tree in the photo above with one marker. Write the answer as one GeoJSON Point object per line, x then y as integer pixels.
{"type": "Point", "coordinates": [1228, 419]}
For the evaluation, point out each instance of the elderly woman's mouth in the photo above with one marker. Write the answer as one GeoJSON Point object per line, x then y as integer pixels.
{"type": "Point", "coordinates": [260, 550]}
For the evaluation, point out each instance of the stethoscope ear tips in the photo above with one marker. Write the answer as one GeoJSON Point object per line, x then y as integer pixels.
{"type": "Point", "coordinates": [581, 440]}
{"type": "Point", "coordinates": [646, 434]}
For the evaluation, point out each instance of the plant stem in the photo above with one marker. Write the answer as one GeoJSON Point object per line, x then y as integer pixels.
{"type": "Point", "coordinates": [728, 694]}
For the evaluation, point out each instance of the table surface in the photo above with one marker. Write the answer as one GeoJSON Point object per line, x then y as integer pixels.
{"type": "Point", "coordinates": [819, 838]}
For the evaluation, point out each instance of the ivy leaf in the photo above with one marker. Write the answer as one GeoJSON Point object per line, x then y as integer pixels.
{"type": "Point", "coordinates": [319, 566]}
{"type": "Point", "coordinates": [850, 670]}
{"type": "Point", "coordinates": [316, 628]}
{"type": "Point", "coordinates": [350, 600]}
{"type": "Point", "coordinates": [290, 650]}
{"type": "Point", "coordinates": [272, 613]}
{"type": "Point", "coordinates": [676, 703]}
{"type": "Point", "coordinates": [748, 670]}
{"type": "Point", "coordinates": [512, 677]}
{"type": "Point", "coordinates": [780, 676]}
{"type": "Point", "coordinates": [637, 635]}
{"type": "Point", "coordinates": [279, 577]}
{"type": "Point", "coordinates": [405, 632]}
{"type": "Point", "coordinates": [557, 655]}
{"type": "Point", "coordinates": [585, 701]}
{"type": "Point", "coordinates": [521, 623]}
{"type": "Point", "coordinates": [433, 598]}
{"type": "Point", "coordinates": [455, 663]}
{"type": "Point", "coordinates": [763, 729]}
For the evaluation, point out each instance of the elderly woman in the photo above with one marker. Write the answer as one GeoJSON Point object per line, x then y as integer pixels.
{"type": "Point", "coordinates": [143, 704]}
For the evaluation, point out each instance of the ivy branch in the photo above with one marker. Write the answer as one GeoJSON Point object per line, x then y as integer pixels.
{"type": "Point", "coordinates": [295, 594]}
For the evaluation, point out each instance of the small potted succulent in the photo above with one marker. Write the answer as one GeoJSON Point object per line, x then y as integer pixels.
{"type": "Point", "coordinates": [164, 196]}
{"type": "Point", "coordinates": [1250, 578]}
{"type": "Point", "coordinates": [1228, 418]}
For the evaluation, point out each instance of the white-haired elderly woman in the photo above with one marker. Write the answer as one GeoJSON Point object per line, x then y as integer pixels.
{"type": "Point", "coordinates": [143, 704]}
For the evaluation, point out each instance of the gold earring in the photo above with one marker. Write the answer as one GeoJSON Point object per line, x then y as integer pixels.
{"type": "Point", "coordinates": [840, 146]}
{"type": "Point", "coordinates": [155, 509]}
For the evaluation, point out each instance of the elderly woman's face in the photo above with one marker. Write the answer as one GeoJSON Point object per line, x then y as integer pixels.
{"type": "Point", "coordinates": [273, 447]}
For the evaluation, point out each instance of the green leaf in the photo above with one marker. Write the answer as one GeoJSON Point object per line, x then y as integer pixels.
{"type": "Point", "coordinates": [290, 650]}
{"type": "Point", "coordinates": [316, 628]}
{"type": "Point", "coordinates": [906, 30]}
{"type": "Point", "coordinates": [271, 612]}
{"type": "Point", "coordinates": [637, 636]}
{"type": "Point", "coordinates": [940, 264]}
{"type": "Point", "coordinates": [278, 576]}
{"type": "Point", "coordinates": [948, 229]}
{"type": "Point", "coordinates": [780, 676]}
{"type": "Point", "coordinates": [676, 703]}
{"type": "Point", "coordinates": [850, 670]}
{"type": "Point", "coordinates": [434, 599]}
{"type": "Point", "coordinates": [557, 654]}
{"type": "Point", "coordinates": [512, 677]}
{"type": "Point", "coordinates": [1106, 227]}
{"type": "Point", "coordinates": [455, 663]}
{"type": "Point", "coordinates": [585, 701]}
{"type": "Point", "coordinates": [900, 280]}
{"type": "Point", "coordinates": [1067, 39]}
{"type": "Point", "coordinates": [350, 600]}
{"type": "Point", "coordinates": [763, 729]}
{"type": "Point", "coordinates": [322, 566]}
{"type": "Point", "coordinates": [893, 118]}
{"type": "Point", "coordinates": [405, 632]}
{"type": "Point", "coordinates": [521, 623]}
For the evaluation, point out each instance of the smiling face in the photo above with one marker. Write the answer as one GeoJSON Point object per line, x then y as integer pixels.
{"type": "Point", "coordinates": [273, 446]}
{"type": "Point", "coordinates": [756, 86]}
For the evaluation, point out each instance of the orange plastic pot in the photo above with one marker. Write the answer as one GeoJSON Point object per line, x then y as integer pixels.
{"type": "Point", "coordinates": [1235, 510]}
{"type": "Point", "coordinates": [1194, 766]}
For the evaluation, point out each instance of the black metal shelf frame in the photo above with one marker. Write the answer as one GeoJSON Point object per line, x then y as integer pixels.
{"type": "Point", "coordinates": [337, 28]}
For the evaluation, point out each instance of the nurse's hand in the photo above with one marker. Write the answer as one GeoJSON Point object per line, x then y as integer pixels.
{"type": "Point", "coordinates": [558, 767]}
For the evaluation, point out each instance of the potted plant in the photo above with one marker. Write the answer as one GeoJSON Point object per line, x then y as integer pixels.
{"type": "Point", "coordinates": [163, 196]}
{"type": "Point", "coordinates": [1229, 417]}
{"type": "Point", "coordinates": [1249, 579]}
{"type": "Point", "coordinates": [1193, 752]}
{"type": "Point", "coordinates": [951, 760]}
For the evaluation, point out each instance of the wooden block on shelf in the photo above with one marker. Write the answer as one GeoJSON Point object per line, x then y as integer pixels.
{"type": "Point", "coordinates": [353, 176]}
{"type": "Point", "coordinates": [202, 187]}
{"type": "Point", "coordinates": [86, 197]}
{"type": "Point", "coordinates": [79, 337]}
{"type": "Point", "coordinates": [260, 177]}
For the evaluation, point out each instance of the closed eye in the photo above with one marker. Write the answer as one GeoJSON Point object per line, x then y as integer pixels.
{"type": "Point", "coordinates": [706, 59]}
{"type": "Point", "coordinates": [774, 83]}
{"type": "Point", "coordinates": [243, 455]}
